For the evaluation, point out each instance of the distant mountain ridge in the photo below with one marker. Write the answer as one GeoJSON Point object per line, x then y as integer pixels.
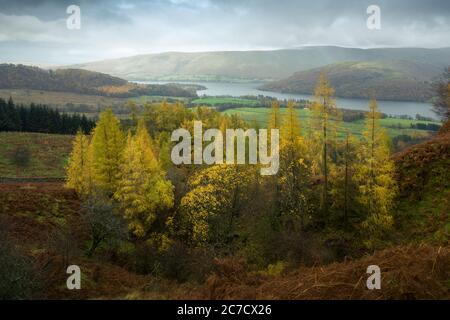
{"type": "Point", "coordinates": [255, 65]}
{"type": "Point", "coordinates": [82, 82]}
{"type": "Point", "coordinates": [387, 80]}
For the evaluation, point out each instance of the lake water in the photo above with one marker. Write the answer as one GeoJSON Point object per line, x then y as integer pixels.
{"type": "Point", "coordinates": [243, 89]}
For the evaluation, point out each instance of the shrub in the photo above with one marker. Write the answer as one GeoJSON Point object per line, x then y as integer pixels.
{"type": "Point", "coordinates": [21, 156]}
{"type": "Point", "coordinates": [104, 221]}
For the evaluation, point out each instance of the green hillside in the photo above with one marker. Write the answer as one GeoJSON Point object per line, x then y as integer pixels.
{"type": "Point", "coordinates": [82, 82]}
{"type": "Point", "coordinates": [388, 80]}
{"type": "Point", "coordinates": [256, 65]}
{"type": "Point", "coordinates": [424, 185]}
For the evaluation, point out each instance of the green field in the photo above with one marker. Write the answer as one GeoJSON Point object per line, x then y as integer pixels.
{"type": "Point", "coordinates": [394, 126]}
{"type": "Point", "coordinates": [58, 99]}
{"type": "Point", "coordinates": [47, 154]}
{"type": "Point", "coordinates": [212, 101]}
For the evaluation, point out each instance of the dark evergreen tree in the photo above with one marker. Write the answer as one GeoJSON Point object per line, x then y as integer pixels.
{"type": "Point", "coordinates": [40, 118]}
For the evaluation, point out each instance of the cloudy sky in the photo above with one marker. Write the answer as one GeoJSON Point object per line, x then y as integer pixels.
{"type": "Point", "coordinates": [35, 31]}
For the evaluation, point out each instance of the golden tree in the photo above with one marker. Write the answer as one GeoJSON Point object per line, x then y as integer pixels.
{"type": "Point", "coordinates": [107, 143]}
{"type": "Point", "coordinates": [294, 176]}
{"type": "Point", "coordinates": [323, 133]}
{"type": "Point", "coordinates": [275, 116]}
{"type": "Point", "coordinates": [375, 174]}
{"type": "Point", "coordinates": [142, 190]}
{"type": "Point", "coordinates": [211, 207]}
{"type": "Point", "coordinates": [79, 169]}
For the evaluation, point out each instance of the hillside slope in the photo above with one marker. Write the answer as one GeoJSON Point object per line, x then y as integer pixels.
{"type": "Point", "coordinates": [423, 176]}
{"type": "Point", "coordinates": [35, 213]}
{"type": "Point", "coordinates": [410, 272]}
{"type": "Point", "coordinates": [81, 82]}
{"type": "Point", "coordinates": [425, 166]}
{"type": "Point", "coordinates": [388, 80]}
{"type": "Point", "coordinates": [253, 65]}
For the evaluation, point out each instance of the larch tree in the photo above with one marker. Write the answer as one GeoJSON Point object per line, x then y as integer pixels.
{"type": "Point", "coordinates": [274, 122]}
{"type": "Point", "coordinates": [294, 176]}
{"type": "Point", "coordinates": [212, 205]}
{"type": "Point", "coordinates": [164, 149]}
{"type": "Point", "coordinates": [375, 174]}
{"type": "Point", "coordinates": [143, 191]}
{"type": "Point", "coordinates": [344, 187]}
{"type": "Point", "coordinates": [323, 132]}
{"type": "Point", "coordinates": [107, 143]}
{"type": "Point", "coordinates": [79, 169]}
{"type": "Point", "coordinates": [275, 116]}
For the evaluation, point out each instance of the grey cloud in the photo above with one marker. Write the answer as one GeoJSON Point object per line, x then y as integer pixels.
{"type": "Point", "coordinates": [124, 27]}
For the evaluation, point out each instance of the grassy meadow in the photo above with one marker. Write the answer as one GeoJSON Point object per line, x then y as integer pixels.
{"type": "Point", "coordinates": [47, 154]}
{"type": "Point", "coordinates": [394, 126]}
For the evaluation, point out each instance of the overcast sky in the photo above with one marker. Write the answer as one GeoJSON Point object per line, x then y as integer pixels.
{"type": "Point", "coordinates": [35, 31]}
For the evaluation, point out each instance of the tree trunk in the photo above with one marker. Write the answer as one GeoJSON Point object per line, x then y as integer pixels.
{"type": "Point", "coordinates": [325, 168]}
{"type": "Point", "coordinates": [346, 183]}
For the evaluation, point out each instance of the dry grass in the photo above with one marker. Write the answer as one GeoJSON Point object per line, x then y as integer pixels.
{"type": "Point", "coordinates": [408, 272]}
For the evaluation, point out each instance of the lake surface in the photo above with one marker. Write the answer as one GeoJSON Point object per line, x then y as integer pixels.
{"type": "Point", "coordinates": [243, 89]}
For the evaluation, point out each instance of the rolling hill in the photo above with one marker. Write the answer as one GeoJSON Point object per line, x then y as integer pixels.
{"type": "Point", "coordinates": [82, 82]}
{"type": "Point", "coordinates": [388, 80]}
{"type": "Point", "coordinates": [256, 65]}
